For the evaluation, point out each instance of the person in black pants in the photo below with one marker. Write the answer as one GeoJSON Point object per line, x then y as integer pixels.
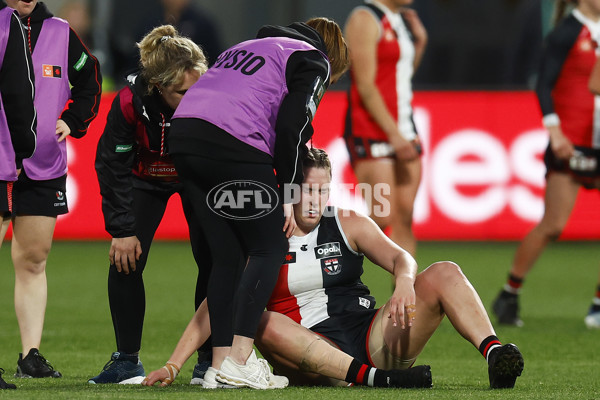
{"type": "Point", "coordinates": [137, 178]}
{"type": "Point", "coordinates": [238, 138]}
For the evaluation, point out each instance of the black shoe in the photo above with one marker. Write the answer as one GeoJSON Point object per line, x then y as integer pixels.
{"type": "Point", "coordinates": [34, 365]}
{"type": "Point", "coordinates": [415, 377]}
{"type": "Point", "coordinates": [3, 384]}
{"type": "Point", "coordinates": [506, 309]}
{"type": "Point", "coordinates": [505, 365]}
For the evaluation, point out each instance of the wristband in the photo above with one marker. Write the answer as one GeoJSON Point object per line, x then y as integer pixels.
{"type": "Point", "coordinates": [173, 370]}
{"type": "Point", "coordinates": [550, 120]}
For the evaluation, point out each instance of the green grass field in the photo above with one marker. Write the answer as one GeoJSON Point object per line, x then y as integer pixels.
{"type": "Point", "coordinates": [562, 358]}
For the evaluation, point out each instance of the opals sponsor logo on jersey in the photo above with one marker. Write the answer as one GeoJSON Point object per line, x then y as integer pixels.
{"type": "Point", "coordinates": [242, 199]}
{"type": "Point", "coordinates": [332, 249]}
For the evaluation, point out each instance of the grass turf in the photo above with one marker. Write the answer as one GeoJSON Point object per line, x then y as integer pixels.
{"type": "Point", "coordinates": [561, 357]}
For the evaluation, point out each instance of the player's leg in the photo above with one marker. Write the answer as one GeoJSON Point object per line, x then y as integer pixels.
{"type": "Point", "coordinates": [310, 359]}
{"type": "Point", "coordinates": [407, 180]}
{"type": "Point", "coordinates": [380, 172]}
{"type": "Point", "coordinates": [559, 200]}
{"type": "Point", "coordinates": [441, 289]}
{"type": "Point", "coordinates": [127, 297]}
{"type": "Point", "coordinates": [31, 243]}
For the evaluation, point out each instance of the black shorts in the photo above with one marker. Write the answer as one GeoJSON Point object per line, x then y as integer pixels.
{"type": "Point", "coordinates": [584, 167]}
{"type": "Point", "coordinates": [349, 332]}
{"type": "Point", "coordinates": [6, 189]}
{"type": "Point", "coordinates": [47, 198]}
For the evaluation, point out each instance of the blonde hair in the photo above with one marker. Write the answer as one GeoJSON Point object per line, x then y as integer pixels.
{"type": "Point", "coordinates": [316, 158]}
{"type": "Point", "coordinates": [165, 57]}
{"type": "Point", "coordinates": [337, 51]}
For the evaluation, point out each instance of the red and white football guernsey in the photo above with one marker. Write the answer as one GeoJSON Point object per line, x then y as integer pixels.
{"type": "Point", "coordinates": [321, 279]}
{"type": "Point", "coordinates": [569, 55]}
{"type": "Point", "coordinates": [395, 58]}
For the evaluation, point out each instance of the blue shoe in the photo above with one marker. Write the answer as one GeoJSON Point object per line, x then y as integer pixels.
{"type": "Point", "coordinates": [122, 369]}
{"type": "Point", "coordinates": [204, 361]}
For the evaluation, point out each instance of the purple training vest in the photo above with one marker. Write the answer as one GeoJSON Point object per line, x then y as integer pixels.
{"type": "Point", "coordinates": [242, 92]}
{"type": "Point", "coordinates": [8, 169]}
{"type": "Point", "coordinates": [50, 60]}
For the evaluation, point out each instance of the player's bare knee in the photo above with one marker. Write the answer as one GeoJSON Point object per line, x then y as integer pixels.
{"type": "Point", "coordinates": [442, 272]}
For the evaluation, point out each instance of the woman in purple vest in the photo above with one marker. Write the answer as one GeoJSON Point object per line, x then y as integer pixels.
{"type": "Point", "coordinates": [17, 114]}
{"type": "Point", "coordinates": [237, 139]}
{"type": "Point", "coordinates": [67, 96]}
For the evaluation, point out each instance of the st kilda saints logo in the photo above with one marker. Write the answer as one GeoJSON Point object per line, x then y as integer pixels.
{"type": "Point", "coordinates": [242, 200]}
{"type": "Point", "coordinates": [331, 266]}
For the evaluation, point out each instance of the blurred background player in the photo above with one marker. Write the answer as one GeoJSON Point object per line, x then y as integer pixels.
{"type": "Point", "coordinates": [248, 119]}
{"type": "Point", "coordinates": [387, 42]}
{"type": "Point", "coordinates": [17, 114]}
{"type": "Point", "coordinates": [573, 155]}
{"type": "Point", "coordinates": [67, 96]}
{"type": "Point", "coordinates": [323, 328]}
{"type": "Point", "coordinates": [137, 178]}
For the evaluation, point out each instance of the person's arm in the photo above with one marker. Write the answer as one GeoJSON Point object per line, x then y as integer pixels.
{"type": "Point", "coordinates": [194, 336]}
{"type": "Point", "coordinates": [362, 32]}
{"type": "Point", "coordinates": [419, 33]}
{"type": "Point", "coordinates": [364, 236]}
{"type": "Point", "coordinates": [114, 162]}
{"type": "Point", "coordinates": [556, 48]}
{"type": "Point", "coordinates": [307, 77]}
{"type": "Point", "coordinates": [17, 85]}
{"type": "Point", "coordinates": [86, 90]}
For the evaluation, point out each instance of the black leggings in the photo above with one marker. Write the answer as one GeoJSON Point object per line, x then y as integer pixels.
{"type": "Point", "coordinates": [126, 293]}
{"type": "Point", "coordinates": [246, 253]}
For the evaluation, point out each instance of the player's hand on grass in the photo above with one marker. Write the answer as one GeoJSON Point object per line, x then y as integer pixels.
{"type": "Point", "coordinates": [166, 375]}
{"type": "Point", "coordinates": [62, 129]}
{"type": "Point", "coordinates": [124, 252]}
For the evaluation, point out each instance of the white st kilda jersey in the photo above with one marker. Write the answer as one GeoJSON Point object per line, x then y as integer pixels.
{"type": "Point", "coordinates": [321, 277]}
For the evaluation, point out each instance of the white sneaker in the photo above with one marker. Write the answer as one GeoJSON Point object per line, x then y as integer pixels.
{"type": "Point", "coordinates": [592, 320]}
{"type": "Point", "coordinates": [254, 374]}
{"type": "Point", "coordinates": [275, 381]}
{"type": "Point", "coordinates": [136, 380]}
{"type": "Point", "coordinates": [210, 381]}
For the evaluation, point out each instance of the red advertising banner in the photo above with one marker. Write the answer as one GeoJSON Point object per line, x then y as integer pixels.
{"type": "Point", "coordinates": [483, 175]}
